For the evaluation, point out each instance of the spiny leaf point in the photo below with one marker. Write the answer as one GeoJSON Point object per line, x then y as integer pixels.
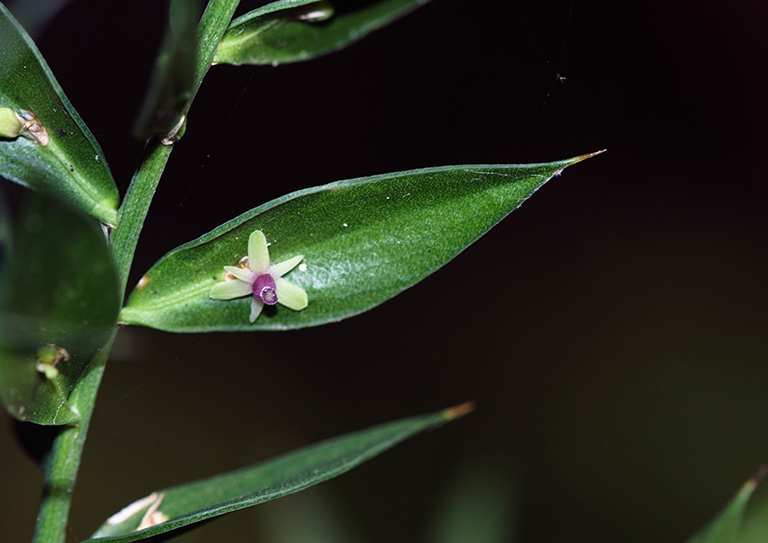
{"type": "Point", "coordinates": [458, 411]}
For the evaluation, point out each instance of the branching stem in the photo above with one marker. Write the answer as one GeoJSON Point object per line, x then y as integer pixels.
{"type": "Point", "coordinates": [63, 461]}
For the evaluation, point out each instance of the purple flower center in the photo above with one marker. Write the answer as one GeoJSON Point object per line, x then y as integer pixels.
{"type": "Point", "coordinates": [264, 289]}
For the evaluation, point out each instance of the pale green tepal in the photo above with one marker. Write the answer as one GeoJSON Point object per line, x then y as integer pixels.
{"type": "Point", "coordinates": [253, 275]}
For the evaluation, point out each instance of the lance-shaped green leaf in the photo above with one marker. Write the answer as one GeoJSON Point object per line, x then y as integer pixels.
{"type": "Point", "coordinates": [173, 79]}
{"type": "Point", "coordinates": [59, 300]}
{"type": "Point", "coordinates": [185, 505]}
{"type": "Point", "coordinates": [296, 30]}
{"type": "Point", "coordinates": [363, 241]}
{"type": "Point", "coordinates": [725, 527]}
{"type": "Point", "coordinates": [59, 154]}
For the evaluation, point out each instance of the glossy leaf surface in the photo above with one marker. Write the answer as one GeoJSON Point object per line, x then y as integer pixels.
{"type": "Point", "coordinates": [58, 289]}
{"type": "Point", "coordinates": [297, 30]}
{"type": "Point", "coordinates": [194, 502]}
{"type": "Point", "coordinates": [173, 79]}
{"type": "Point", "coordinates": [363, 240]}
{"type": "Point", "coordinates": [72, 165]}
{"type": "Point", "coordinates": [725, 528]}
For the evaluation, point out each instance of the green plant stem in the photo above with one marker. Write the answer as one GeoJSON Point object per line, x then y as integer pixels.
{"type": "Point", "coordinates": [133, 211]}
{"type": "Point", "coordinates": [63, 461]}
{"type": "Point", "coordinates": [130, 220]}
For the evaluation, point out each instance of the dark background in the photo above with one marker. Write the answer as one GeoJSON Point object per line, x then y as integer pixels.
{"type": "Point", "coordinates": [616, 348]}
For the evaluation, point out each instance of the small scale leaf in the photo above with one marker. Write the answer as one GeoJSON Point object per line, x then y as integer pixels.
{"type": "Point", "coordinates": [725, 527]}
{"type": "Point", "coordinates": [59, 301]}
{"type": "Point", "coordinates": [191, 503]}
{"type": "Point", "coordinates": [297, 30]}
{"type": "Point", "coordinates": [173, 79]}
{"type": "Point", "coordinates": [363, 241]}
{"type": "Point", "coordinates": [67, 161]}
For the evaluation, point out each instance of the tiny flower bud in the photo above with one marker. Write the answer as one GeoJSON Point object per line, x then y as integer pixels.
{"type": "Point", "coordinates": [10, 126]}
{"type": "Point", "coordinates": [48, 356]}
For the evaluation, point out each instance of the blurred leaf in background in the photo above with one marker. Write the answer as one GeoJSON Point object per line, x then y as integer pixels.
{"type": "Point", "coordinates": [59, 302]}
{"type": "Point", "coordinates": [726, 527]}
{"type": "Point", "coordinates": [172, 86]}
{"type": "Point", "coordinates": [479, 505]}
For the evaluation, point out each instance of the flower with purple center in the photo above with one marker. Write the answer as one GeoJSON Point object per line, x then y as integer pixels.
{"type": "Point", "coordinates": [264, 282]}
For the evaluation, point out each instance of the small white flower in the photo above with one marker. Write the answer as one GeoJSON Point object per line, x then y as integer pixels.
{"type": "Point", "coordinates": [264, 282]}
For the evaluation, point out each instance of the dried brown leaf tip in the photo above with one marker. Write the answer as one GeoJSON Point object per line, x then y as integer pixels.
{"type": "Point", "coordinates": [459, 410]}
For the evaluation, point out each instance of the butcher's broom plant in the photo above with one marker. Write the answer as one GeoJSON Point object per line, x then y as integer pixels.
{"type": "Point", "coordinates": [309, 258]}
